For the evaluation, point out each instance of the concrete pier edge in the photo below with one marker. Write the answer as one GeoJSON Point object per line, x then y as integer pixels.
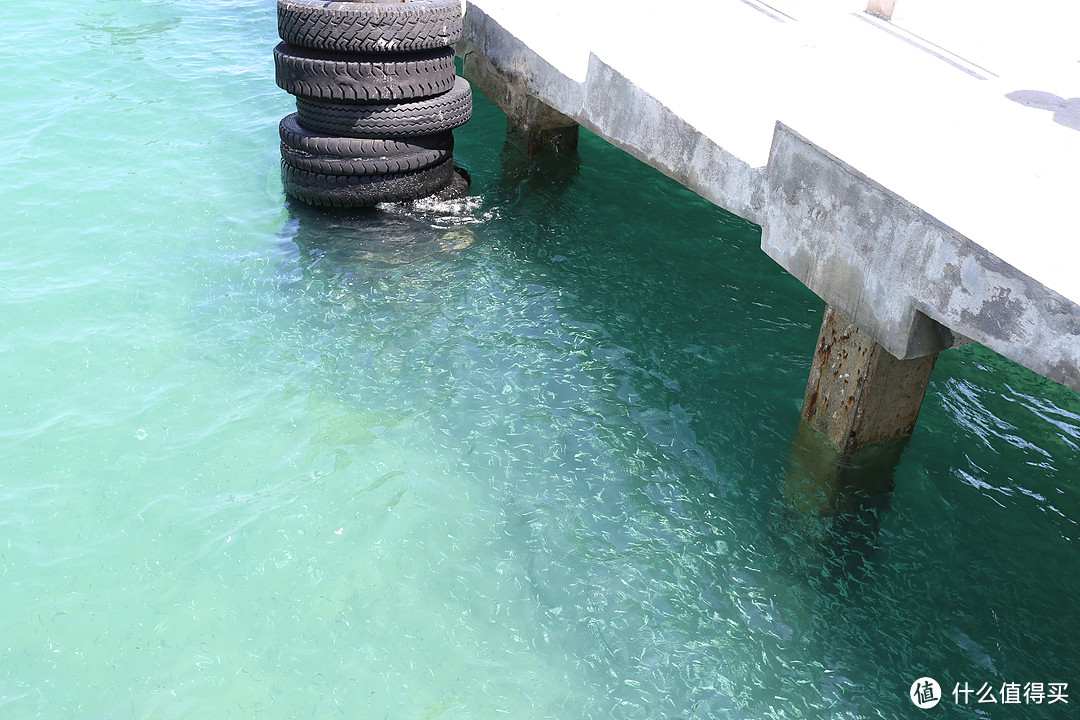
{"type": "Point", "coordinates": [908, 280]}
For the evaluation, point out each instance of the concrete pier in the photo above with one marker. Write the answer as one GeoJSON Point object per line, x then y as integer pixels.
{"type": "Point", "coordinates": [918, 174]}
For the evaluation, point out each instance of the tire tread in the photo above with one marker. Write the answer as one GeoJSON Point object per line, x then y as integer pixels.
{"type": "Point", "coordinates": [370, 27]}
{"type": "Point", "coordinates": [344, 191]}
{"type": "Point", "coordinates": [363, 77]}
{"type": "Point", "coordinates": [419, 117]}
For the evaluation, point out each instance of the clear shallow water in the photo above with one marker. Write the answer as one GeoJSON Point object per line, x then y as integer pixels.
{"type": "Point", "coordinates": [520, 456]}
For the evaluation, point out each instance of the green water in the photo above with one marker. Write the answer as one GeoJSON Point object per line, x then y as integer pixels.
{"type": "Point", "coordinates": [521, 456]}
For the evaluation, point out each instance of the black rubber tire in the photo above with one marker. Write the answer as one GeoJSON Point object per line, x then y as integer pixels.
{"type": "Point", "coordinates": [363, 77]}
{"type": "Point", "coordinates": [365, 190]}
{"type": "Point", "coordinates": [370, 27]}
{"type": "Point", "coordinates": [458, 187]}
{"type": "Point", "coordinates": [405, 119]}
{"type": "Point", "coordinates": [333, 155]}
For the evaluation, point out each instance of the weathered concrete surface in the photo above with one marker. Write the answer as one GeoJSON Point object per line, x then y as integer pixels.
{"type": "Point", "coordinates": [890, 267]}
{"type": "Point", "coordinates": [858, 394]}
{"type": "Point", "coordinates": [919, 175]}
{"type": "Point", "coordinates": [606, 102]}
{"type": "Point", "coordinates": [531, 126]}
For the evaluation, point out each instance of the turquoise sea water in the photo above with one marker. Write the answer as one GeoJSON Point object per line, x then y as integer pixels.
{"type": "Point", "coordinates": [521, 456]}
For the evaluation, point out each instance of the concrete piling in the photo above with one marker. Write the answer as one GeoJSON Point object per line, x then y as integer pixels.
{"type": "Point", "coordinates": [858, 394]}
{"type": "Point", "coordinates": [532, 127]}
{"type": "Point", "coordinates": [859, 410]}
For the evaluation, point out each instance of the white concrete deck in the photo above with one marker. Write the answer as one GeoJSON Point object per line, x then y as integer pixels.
{"type": "Point", "coordinates": [963, 116]}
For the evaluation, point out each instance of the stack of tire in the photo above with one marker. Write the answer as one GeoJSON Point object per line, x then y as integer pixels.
{"type": "Point", "coordinates": [377, 99]}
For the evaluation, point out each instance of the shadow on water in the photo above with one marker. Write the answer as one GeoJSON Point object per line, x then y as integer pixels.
{"type": "Point", "coordinates": [360, 297]}
{"type": "Point", "coordinates": [383, 236]}
{"type": "Point", "coordinates": [124, 31]}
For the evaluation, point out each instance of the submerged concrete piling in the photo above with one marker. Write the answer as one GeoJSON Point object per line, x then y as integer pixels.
{"type": "Point", "coordinates": [531, 126]}
{"type": "Point", "coordinates": [859, 410]}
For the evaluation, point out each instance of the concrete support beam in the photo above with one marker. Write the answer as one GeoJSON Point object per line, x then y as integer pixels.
{"type": "Point", "coordinates": [858, 394]}
{"type": "Point", "coordinates": [860, 407]}
{"type": "Point", "coordinates": [531, 126]}
{"type": "Point", "coordinates": [533, 137]}
{"type": "Point", "coordinates": [914, 284]}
